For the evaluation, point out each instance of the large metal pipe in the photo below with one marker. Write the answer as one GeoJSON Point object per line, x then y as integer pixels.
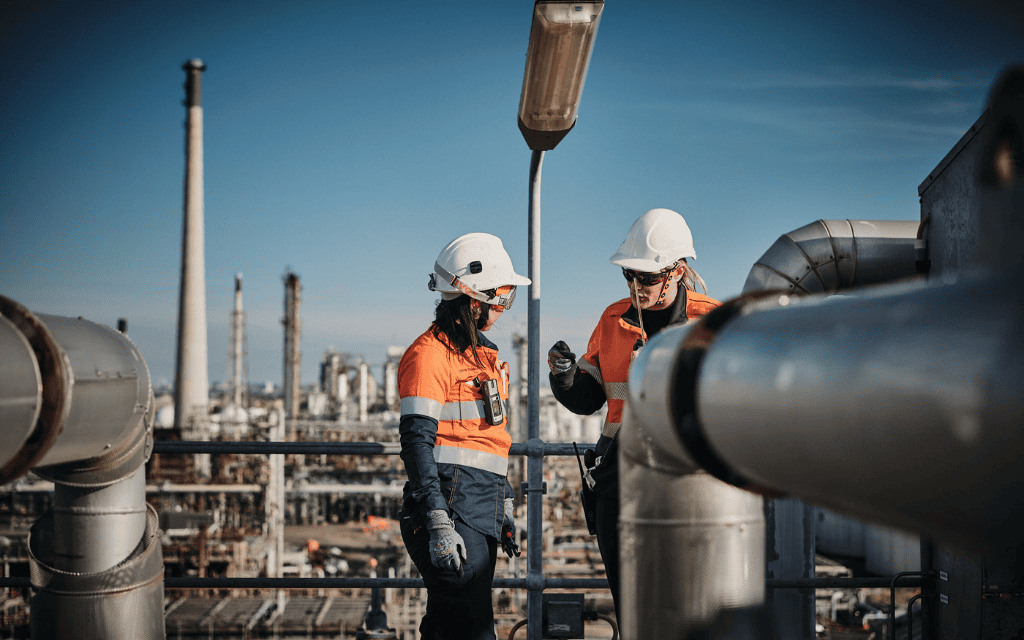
{"type": "Point", "coordinates": [832, 255]}
{"type": "Point", "coordinates": [712, 534]}
{"type": "Point", "coordinates": [934, 382]}
{"type": "Point", "coordinates": [826, 256]}
{"type": "Point", "coordinates": [90, 435]}
{"type": "Point", "coordinates": [95, 528]}
{"type": "Point", "coordinates": [718, 529]}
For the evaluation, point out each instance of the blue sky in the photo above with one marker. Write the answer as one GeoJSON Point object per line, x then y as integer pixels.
{"type": "Point", "coordinates": [350, 141]}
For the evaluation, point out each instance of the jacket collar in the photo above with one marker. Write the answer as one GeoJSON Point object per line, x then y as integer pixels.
{"type": "Point", "coordinates": [484, 342]}
{"type": "Point", "coordinates": [678, 310]}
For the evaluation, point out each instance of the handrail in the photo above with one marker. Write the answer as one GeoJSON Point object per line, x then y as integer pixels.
{"type": "Point", "coordinates": [530, 583]}
{"type": "Point", "coordinates": [193, 582]}
{"type": "Point", "coordinates": [924, 577]}
{"type": "Point", "coordinates": [326, 448]}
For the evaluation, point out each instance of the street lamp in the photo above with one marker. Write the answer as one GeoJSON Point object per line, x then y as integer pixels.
{"type": "Point", "coordinates": [561, 40]}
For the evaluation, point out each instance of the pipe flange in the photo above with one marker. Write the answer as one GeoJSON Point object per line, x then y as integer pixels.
{"type": "Point", "coordinates": [57, 381]}
{"type": "Point", "coordinates": [687, 373]}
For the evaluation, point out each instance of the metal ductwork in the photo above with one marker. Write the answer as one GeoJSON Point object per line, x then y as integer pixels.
{"type": "Point", "coordinates": [718, 529]}
{"type": "Point", "coordinates": [826, 256]}
{"type": "Point", "coordinates": [932, 376]}
{"type": "Point", "coordinates": [76, 407]}
{"type": "Point", "coordinates": [832, 255]}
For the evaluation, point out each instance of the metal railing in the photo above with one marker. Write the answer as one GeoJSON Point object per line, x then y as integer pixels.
{"type": "Point", "coordinates": [533, 535]}
{"type": "Point", "coordinates": [534, 582]}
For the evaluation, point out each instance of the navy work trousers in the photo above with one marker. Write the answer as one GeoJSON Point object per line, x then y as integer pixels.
{"type": "Point", "coordinates": [608, 541]}
{"type": "Point", "coordinates": [458, 608]}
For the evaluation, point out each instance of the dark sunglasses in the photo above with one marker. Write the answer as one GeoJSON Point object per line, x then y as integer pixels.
{"type": "Point", "coordinates": [646, 279]}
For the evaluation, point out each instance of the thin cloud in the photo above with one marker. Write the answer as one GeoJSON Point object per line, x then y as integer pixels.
{"type": "Point", "coordinates": [855, 80]}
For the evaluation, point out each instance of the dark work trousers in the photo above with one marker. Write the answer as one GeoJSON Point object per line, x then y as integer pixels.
{"type": "Point", "coordinates": [457, 608]}
{"type": "Point", "coordinates": [608, 540]}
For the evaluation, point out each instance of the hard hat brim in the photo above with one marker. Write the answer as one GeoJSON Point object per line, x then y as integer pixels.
{"type": "Point", "coordinates": [620, 259]}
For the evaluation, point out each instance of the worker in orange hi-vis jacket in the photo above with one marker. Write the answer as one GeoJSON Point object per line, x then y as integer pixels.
{"type": "Point", "coordinates": [662, 292]}
{"type": "Point", "coordinates": [458, 504]}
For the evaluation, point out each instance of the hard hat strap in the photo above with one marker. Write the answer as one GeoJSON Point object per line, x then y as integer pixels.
{"type": "Point", "coordinates": [635, 295]}
{"type": "Point", "coordinates": [503, 298]}
{"type": "Point", "coordinates": [664, 290]}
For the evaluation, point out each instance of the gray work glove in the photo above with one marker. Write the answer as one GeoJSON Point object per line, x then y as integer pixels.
{"type": "Point", "coordinates": [562, 361]}
{"type": "Point", "coordinates": [508, 530]}
{"type": "Point", "coordinates": [447, 548]}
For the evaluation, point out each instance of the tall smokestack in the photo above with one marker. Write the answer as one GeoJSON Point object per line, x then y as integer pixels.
{"type": "Point", "coordinates": [292, 336]}
{"type": "Point", "coordinates": [191, 383]}
{"type": "Point", "coordinates": [238, 370]}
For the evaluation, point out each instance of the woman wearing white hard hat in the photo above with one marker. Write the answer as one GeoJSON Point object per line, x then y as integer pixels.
{"type": "Point", "coordinates": [457, 505]}
{"type": "Point", "coordinates": [662, 291]}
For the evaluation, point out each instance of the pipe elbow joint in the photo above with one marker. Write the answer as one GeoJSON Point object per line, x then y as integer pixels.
{"type": "Point", "coordinates": [664, 391]}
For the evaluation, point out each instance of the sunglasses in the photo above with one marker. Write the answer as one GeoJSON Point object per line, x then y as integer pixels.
{"type": "Point", "coordinates": [646, 279]}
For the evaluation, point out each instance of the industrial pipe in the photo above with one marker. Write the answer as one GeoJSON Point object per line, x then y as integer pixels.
{"type": "Point", "coordinates": [934, 383]}
{"type": "Point", "coordinates": [831, 255]}
{"type": "Point", "coordinates": [718, 529]}
{"type": "Point", "coordinates": [77, 409]}
{"type": "Point", "coordinates": [713, 534]}
{"type": "Point", "coordinates": [826, 256]}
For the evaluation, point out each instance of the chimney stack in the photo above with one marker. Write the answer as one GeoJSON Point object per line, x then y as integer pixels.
{"type": "Point", "coordinates": [191, 403]}
{"type": "Point", "coordinates": [238, 370]}
{"type": "Point", "coordinates": [292, 353]}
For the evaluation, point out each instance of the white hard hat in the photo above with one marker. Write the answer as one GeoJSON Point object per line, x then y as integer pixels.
{"type": "Point", "coordinates": [655, 242]}
{"type": "Point", "coordinates": [476, 264]}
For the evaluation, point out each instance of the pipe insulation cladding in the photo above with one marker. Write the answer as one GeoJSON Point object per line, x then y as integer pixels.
{"type": "Point", "coordinates": [76, 407]}
{"type": "Point", "coordinates": [826, 256]}
{"type": "Point", "coordinates": [775, 393]}
{"type": "Point", "coordinates": [74, 393]}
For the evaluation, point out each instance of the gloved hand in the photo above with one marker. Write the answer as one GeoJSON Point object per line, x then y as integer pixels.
{"type": "Point", "coordinates": [447, 548]}
{"type": "Point", "coordinates": [561, 360]}
{"type": "Point", "coordinates": [508, 530]}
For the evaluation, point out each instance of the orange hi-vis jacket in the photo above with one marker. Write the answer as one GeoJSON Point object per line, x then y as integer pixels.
{"type": "Point", "coordinates": [610, 351]}
{"type": "Point", "coordinates": [456, 460]}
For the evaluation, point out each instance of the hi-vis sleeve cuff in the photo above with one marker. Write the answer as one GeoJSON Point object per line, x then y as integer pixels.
{"type": "Point", "coordinates": [421, 406]}
{"type": "Point", "coordinates": [471, 458]}
{"type": "Point", "coordinates": [610, 429]}
{"type": "Point", "coordinates": [591, 369]}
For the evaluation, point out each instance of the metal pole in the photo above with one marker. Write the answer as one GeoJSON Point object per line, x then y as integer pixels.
{"type": "Point", "coordinates": [535, 473]}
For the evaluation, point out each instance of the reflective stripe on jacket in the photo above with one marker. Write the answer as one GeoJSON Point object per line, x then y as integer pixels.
{"type": "Point", "coordinates": [611, 346]}
{"type": "Point", "coordinates": [456, 460]}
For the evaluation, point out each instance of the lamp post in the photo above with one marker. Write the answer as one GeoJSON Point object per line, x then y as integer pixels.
{"type": "Point", "coordinates": [561, 41]}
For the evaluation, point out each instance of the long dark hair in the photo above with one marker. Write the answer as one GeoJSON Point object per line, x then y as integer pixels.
{"type": "Point", "coordinates": [454, 318]}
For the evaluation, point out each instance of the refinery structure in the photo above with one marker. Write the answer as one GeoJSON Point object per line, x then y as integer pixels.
{"type": "Point", "coordinates": [241, 513]}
